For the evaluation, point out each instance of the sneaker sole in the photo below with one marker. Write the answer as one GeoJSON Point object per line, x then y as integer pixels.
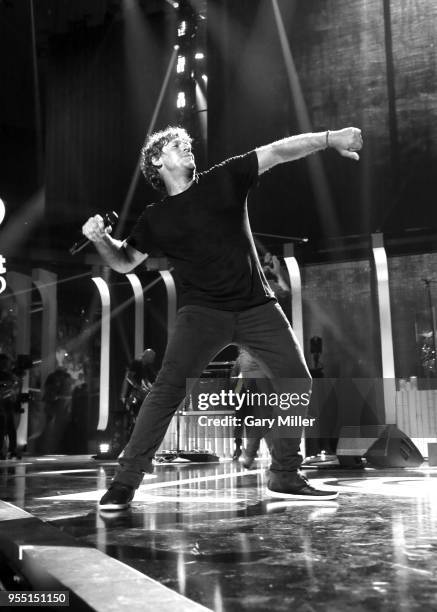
{"type": "Point", "coordinates": [114, 506]}
{"type": "Point", "coordinates": [329, 496]}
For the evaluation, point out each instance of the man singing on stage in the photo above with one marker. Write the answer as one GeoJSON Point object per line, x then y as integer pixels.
{"type": "Point", "coordinates": [202, 226]}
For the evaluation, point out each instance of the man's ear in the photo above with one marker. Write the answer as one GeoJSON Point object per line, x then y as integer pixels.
{"type": "Point", "coordinates": [156, 161]}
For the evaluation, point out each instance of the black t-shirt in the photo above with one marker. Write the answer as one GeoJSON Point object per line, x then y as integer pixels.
{"type": "Point", "coordinates": [205, 233]}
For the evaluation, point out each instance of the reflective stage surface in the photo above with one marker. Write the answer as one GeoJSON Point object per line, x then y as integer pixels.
{"type": "Point", "coordinates": [210, 532]}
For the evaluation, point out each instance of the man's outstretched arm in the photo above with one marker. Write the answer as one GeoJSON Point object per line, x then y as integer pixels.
{"type": "Point", "coordinates": [117, 254]}
{"type": "Point", "coordinates": [346, 141]}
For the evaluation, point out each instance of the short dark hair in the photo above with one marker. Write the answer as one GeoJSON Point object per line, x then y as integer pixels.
{"type": "Point", "coordinates": [153, 148]}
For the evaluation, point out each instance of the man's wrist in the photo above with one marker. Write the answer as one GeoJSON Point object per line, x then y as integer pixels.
{"type": "Point", "coordinates": [105, 240]}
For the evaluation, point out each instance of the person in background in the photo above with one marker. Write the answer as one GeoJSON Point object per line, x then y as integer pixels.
{"type": "Point", "coordinates": [253, 377]}
{"type": "Point", "coordinates": [58, 389]}
{"type": "Point", "coordinates": [274, 275]}
{"type": "Point", "coordinates": [139, 378]}
{"type": "Point", "coordinates": [9, 407]}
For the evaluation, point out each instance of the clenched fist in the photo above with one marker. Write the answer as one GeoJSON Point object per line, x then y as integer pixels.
{"type": "Point", "coordinates": [94, 229]}
{"type": "Point", "coordinates": [347, 142]}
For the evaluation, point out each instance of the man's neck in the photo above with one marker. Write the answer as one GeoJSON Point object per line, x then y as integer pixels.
{"type": "Point", "coordinates": [177, 185]}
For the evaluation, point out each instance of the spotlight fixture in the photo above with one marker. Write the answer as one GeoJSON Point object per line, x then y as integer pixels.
{"type": "Point", "coordinates": [205, 78]}
{"type": "Point", "coordinates": [180, 67]}
{"type": "Point", "coordinates": [180, 102]}
{"type": "Point", "coordinates": [104, 448]}
{"type": "Point", "coordinates": [182, 29]}
{"type": "Point", "coordinates": [192, 42]}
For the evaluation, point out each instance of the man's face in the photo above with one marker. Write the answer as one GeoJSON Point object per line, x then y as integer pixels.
{"type": "Point", "coordinates": [177, 155]}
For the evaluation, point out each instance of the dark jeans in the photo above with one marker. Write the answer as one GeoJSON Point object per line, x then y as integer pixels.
{"type": "Point", "coordinates": [254, 435]}
{"type": "Point", "coordinates": [200, 333]}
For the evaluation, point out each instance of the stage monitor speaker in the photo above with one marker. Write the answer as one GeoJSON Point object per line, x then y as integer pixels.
{"type": "Point", "coordinates": [354, 442]}
{"type": "Point", "coordinates": [394, 449]}
{"type": "Point", "coordinates": [383, 446]}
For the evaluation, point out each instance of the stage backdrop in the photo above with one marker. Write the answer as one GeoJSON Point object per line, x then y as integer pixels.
{"type": "Point", "coordinates": [370, 63]}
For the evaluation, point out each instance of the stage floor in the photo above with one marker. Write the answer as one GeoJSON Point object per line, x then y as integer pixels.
{"type": "Point", "coordinates": [210, 533]}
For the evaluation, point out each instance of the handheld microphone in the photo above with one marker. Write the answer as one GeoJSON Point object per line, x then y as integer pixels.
{"type": "Point", "coordinates": [108, 219]}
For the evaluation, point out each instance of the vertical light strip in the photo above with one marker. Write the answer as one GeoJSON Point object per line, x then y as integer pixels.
{"type": "Point", "coordinates": [46, 282]}
{"type": "Point", "coordinates": [296, 307]}
{"type": "Point", "coordinates": [386, 333]}
{"type": "Point", "coordinates": [21, 286]}
{"type": "Point", "coordinates": [171, 300]}
{"type": "Point", "coordinates": [103, 289]}
{"type": "Point", "coordinates": [296, 296]}
{"type": "Point", "coordinates": [37, 98]}
{"type": "Point", "coordinates": [139, 314]}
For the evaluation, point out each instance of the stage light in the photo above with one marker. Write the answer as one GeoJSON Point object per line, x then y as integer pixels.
{"type": "Point", "coordinates": [199, 56]}
{"type": "Point", "coordinates": [180, 66]}
{"type": "Point", "coordinates": [182, 29]}
{"type": "Point", "coordinates": [104, 448]}
{"type": "Point", "coordinates": [205, 78]}
{"type": "Point", "coordinates": [180, 103]}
